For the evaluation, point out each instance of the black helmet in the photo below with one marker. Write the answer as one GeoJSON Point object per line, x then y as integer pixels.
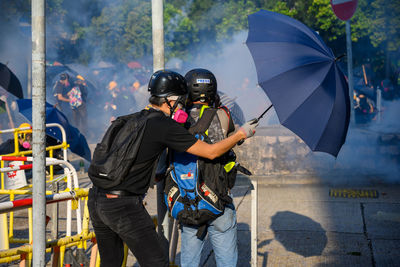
{"type": "Point", "coordinates": [202, 85]}
{"type": "Point", "coordinates": [165, 83]}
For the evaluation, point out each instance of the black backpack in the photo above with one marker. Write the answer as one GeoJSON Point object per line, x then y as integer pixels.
{"type": "Point", "coordinates": [115, 155]}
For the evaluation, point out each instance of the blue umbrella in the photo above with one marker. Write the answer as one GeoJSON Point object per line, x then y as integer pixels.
{"type": "Point", "coordinates": [76, 140]}
{"type": "Point", "coordinates": [299, 74]}
{"type": "Point", "coordinates": [9, 82]}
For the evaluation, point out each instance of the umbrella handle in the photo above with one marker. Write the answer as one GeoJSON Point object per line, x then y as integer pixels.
{"type": "Point", "coordinates": [339, 57]}
{"type": "Point", "coordinates": [270, 106]}
{"type": "Point", "coordinates": [256, 120]}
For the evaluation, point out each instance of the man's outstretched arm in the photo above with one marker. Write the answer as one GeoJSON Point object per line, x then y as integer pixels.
{"type": "Point", "coordinates": [212, 151]}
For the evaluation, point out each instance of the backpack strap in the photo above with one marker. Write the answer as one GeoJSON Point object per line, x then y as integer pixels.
{"type": "Point", "coordinates": [204, 122]}
{"type": "Point", "coordinates": [202, 232]}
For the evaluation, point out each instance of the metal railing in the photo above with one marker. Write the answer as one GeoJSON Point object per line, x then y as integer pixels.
{"type": "Point", "coordinates": [58, 246]}
{"type": "Point", "coordinates": [72, 185]}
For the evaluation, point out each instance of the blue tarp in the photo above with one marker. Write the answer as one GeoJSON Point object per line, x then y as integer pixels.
{"type": "Point", "coordinates": [75, 139]}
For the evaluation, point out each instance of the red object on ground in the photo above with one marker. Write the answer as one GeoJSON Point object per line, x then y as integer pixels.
{"type": "Point", "coordinates": [344, 9]}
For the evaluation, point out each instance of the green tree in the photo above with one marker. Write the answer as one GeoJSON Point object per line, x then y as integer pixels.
{"type": "Point", "coordinates": [234, 19]}
{"type": "Point", "coordinates": [121, 33]}
{"type": "Point", "coordinates": [384, 30]}
{"type": "Point", "coordinates": [180, 31]}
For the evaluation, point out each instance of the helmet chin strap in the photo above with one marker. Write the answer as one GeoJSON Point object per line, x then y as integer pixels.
{"type": "Point", "coordinates": [172, 108]}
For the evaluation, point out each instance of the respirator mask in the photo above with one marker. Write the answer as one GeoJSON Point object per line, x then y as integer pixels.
{"type": "Point", "coordinates": [180, 115]}
{"type": "Point", "coordinates": [176, 111]}
{"type": "Point", "coordinates": [27, 138]}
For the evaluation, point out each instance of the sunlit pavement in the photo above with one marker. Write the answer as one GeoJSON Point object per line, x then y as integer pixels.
{"type": "Point", "coordinates": [302, 223]}
{"type": "Point", "coordinates": [306, 225]}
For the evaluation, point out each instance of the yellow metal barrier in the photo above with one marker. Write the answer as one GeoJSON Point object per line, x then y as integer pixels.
{"type": "Point", "coordinates": [64, 146]}
{"type": "Point", "coordinates": [72, 184]}
{"type": "Point", "coordinates": [58, 246]}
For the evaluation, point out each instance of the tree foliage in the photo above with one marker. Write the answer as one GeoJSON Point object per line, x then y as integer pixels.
{"type": "Point", "coordinates": [120, 30]}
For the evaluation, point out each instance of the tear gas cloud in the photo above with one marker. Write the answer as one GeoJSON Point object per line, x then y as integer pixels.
{"type": "Point", "coordinates": [371, 152]}
{"type": "Point", "coordinates": [233, 67]}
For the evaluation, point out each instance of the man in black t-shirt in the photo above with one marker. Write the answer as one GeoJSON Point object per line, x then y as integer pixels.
{"type": "Point", "coordinates": [118, 214]}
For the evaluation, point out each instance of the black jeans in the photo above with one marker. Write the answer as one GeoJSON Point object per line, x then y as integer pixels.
{"type": "Point", "coordinates": [124, 219]}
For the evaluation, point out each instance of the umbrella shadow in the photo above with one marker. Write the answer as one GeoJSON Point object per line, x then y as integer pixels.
{"type": "Point", "coordinates": [298, 233]}
{"type": "Point", "coordinates": [263, 254]}
{"type": "Point", "coordinates": [244, 246]}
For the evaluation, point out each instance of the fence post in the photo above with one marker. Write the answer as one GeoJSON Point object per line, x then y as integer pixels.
{"type": "Point", "coordinates": [3, 232]}
{"type": "Point", "coordinates": [54, 224]}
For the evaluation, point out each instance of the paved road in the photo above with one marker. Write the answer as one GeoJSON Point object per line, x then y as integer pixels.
{"type": "Point", "coordinates": [305, 224]}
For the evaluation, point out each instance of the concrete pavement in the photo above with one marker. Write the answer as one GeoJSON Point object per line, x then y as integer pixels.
{"type": "Point", "coordinates": [305, 225]}
{"type": "Point", "coordinates": [302, 223]}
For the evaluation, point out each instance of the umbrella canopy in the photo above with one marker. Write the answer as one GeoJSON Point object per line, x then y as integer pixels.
{"type": "Point", "coordinates": [299, 74]}
{"type": "Point", "coordinates": [75, 139]}
{"type": "Point", "coordinates": [53, 75]}
{"type": "Point", "coordinates": [10, 82]}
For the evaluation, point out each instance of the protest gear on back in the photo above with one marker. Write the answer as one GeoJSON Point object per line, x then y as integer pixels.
{"type": "Point", "coordinates": [202, 86]}
{"type": "Point", "coordinates": [75, 97]}
{"type": "Point", "coordinates": [115, 155]}
{"type": "Point", "coordinates": [124, 216]}
{"type": "Point", "coordinates": [197, 188]}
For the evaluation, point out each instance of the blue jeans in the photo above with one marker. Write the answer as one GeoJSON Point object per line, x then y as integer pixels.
{"type": "Point", "coordinates": [124, 219]}
{"type": "Point", "coordinates": [223, 236]}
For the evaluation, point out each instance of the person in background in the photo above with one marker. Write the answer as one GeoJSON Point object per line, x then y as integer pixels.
{"type": "Point", "coordinates": [77, 100]}
{"type": "Point", "coordinates": [60, 91]}
{"type": "Point", "coordinates": [25, 144]}
{"type": "Point", "coordinates": [24, 141]}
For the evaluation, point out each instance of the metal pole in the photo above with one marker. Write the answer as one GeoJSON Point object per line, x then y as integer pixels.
{"type": "Point", "coordinates": [379, 104]}
{"type": "Point", "coordinates": [158, 64]}
{"type": "Point", "coordinates": [158, 34]}
{"type": "Point", "coordinates": [38, 131]}
{"type": "Point", "coordinates": [254, 216]}
{"type": "Point", "coordinates": [350, 68]}
{"type": "Point", "coordinates": [29, 85]}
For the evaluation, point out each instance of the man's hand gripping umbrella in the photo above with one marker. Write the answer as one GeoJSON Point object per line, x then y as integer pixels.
{"type": "Point", "coordinates": [249, 127]}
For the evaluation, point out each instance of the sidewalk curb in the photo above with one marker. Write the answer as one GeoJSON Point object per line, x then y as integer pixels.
{"type": "Point", "coordinates": [315, 179]}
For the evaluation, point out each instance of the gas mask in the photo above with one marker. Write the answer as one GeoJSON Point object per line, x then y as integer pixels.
{"type": "Point", "coordinates": [176, 112]}
{"type": "Point", "coordinates": [180, 116]}
{"type": "Point", "coordinates": [26, 145]}
{"type": "Point", "coordinates": [27, 138]}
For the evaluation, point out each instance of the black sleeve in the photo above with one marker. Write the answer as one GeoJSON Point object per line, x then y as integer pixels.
{"type": "Point", "coordinates": [58, 89]}
{"type": "Point", "coordinates": [178, 138]}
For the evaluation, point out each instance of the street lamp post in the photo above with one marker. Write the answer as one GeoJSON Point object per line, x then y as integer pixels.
{"type": "Point", "coordinates": [38, 131]}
